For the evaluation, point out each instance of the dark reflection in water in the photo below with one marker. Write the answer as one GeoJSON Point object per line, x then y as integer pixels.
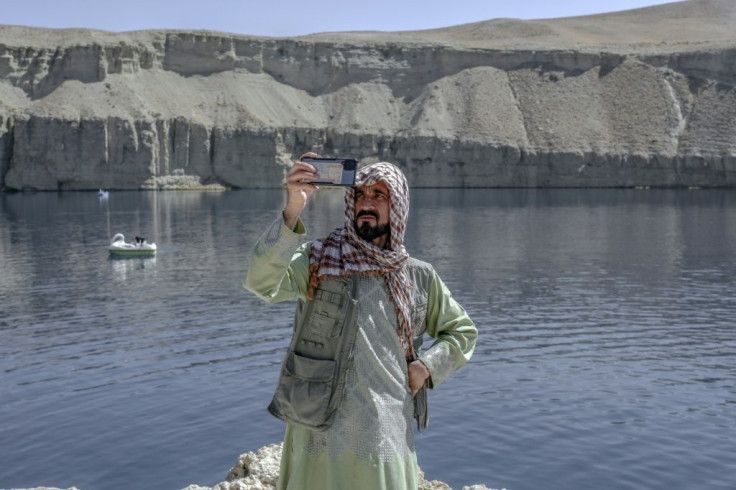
{"type": "Point", "coordinates": [607, 356]}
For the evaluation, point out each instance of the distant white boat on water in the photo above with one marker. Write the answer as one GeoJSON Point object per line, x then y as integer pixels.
{"type": "Point", "coordinates": [103, 194]}
{"type": "Point", "coordinates": [139, 248]}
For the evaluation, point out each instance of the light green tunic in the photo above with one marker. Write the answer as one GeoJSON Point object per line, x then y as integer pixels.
{"type": "Point", "coordinates": [371, 443]}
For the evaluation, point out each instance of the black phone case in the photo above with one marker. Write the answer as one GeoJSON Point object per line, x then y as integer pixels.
{"type": "Point", "coordinates": [347, 172]}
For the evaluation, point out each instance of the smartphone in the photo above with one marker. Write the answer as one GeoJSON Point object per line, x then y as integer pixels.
{"type": "Point", "coordinates": [334, 171]}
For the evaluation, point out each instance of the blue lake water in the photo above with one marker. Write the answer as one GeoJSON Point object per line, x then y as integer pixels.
{"type": "Point", "coordinates": [606, 358]}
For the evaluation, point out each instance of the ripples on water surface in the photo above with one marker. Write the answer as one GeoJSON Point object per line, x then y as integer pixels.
{"type": "Point", "coordinates": [607, 356]}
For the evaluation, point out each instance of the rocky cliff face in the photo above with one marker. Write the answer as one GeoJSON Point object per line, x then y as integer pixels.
{"type": "Point", "coordinates": [160, 109]}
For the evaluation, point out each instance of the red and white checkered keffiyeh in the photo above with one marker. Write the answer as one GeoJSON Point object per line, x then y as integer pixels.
{"type": "Point", "coordinates": [343, 252]}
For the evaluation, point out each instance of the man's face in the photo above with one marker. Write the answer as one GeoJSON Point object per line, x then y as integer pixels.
{"type": "Point", "coordinates": [372, 213]}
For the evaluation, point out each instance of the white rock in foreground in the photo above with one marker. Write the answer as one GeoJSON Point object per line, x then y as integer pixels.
{"type": "Point", "coordinates": [260, 471]}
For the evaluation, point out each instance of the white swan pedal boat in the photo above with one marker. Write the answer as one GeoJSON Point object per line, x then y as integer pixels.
{"type": "Point", "coordinates": [139, 248]}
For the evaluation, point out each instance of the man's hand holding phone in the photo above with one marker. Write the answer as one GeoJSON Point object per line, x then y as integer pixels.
{"type": "Point", "coordinates": [299, 186]}
{"type": "Point", "coordinates": [308, 173]}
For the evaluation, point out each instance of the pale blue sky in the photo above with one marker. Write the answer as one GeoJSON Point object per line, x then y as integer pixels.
{"type": "Point", "coordinates": [291, 17]}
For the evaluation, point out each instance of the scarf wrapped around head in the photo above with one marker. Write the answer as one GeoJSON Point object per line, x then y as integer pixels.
{"type": "Point", "coordinates": [343, 252]}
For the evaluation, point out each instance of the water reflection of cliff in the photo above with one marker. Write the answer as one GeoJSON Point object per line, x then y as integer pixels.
{"type": "Point", "coordinates": [49, 239]}
{"type": "Point", "coordinates": [605, 232]}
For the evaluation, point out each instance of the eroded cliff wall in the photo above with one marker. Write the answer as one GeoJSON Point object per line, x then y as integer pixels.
{"type": "Point", "coordinates": [86, 110]}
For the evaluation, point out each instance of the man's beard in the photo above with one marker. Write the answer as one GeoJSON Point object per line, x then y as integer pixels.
{"type": "Point", "coordinates": [369, 232]}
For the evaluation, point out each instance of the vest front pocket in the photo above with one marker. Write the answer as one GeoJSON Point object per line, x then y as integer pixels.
{"type": "Point", "coordinates": [308, 369]}
{"type": "Point", "coordinates": [305, 394]}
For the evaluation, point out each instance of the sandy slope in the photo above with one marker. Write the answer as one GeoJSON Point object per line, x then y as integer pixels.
{"type": "Point", "coordinates": [661, 28]}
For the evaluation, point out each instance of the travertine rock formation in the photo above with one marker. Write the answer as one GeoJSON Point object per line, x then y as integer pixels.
{"type": "Point", "coordinates": [260, 471]}
{"type": "Point", "coordinates": [638, 98]}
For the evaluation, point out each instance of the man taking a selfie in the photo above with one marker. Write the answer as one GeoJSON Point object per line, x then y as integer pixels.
{"type": "Point", "coordinates": [353, 381]}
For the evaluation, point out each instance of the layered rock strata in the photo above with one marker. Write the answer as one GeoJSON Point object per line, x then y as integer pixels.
{"type": "Point", "coordinates": [595, 101]}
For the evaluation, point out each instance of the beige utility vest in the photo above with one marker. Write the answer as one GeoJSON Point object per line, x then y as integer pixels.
{"type": "Point", "coordinates": [313, 374]}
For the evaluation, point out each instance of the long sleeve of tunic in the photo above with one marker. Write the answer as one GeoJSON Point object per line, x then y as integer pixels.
{"type": "Point", "coordinates": [371, 444]}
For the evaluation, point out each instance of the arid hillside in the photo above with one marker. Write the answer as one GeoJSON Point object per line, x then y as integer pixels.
{"type": "Point", "coordinates": [638, 98]}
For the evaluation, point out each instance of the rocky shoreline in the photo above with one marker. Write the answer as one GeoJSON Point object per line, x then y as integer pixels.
{"type": "Point", "coordinates": [644, 98]}
{"type": "Point", "coordinates": [259, 470]}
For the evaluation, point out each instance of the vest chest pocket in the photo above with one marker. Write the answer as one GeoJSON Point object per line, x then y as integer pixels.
{"type": "Point", "coordinates": [418, 318]}
{"type": "Point", "coordinates": [328, 314]}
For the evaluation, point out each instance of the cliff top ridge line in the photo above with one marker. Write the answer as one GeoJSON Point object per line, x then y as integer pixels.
{"type": "Point", "coordinates": [634, 98]}
{"type": "Point", "coordinates": [679, 26]}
